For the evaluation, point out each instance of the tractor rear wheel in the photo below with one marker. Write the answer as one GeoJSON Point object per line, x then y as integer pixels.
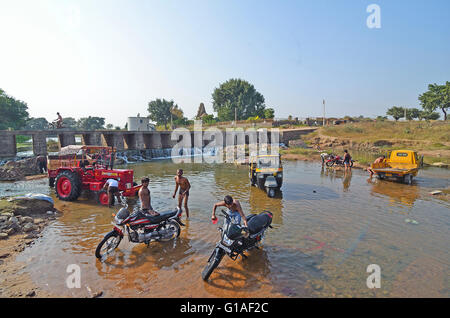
{"type": "Point", "coordinates": [68, 185]}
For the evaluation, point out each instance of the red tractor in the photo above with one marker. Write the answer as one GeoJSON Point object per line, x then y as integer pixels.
{"type": "Point", "coordinates": [78, 168]}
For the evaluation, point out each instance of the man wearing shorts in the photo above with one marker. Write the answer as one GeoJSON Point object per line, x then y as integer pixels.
{"type": "Point", "coordinates": [184, 185]}
{"type": "Point", "coordinates": [112, 187]}
{"type": "Point", "coordinates": [144, 196]}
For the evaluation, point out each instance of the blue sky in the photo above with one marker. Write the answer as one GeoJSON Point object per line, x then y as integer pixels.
{"type": "Point", "coordinates": [110, 58]}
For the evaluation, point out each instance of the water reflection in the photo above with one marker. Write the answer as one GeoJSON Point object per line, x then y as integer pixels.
{"type": "Point", "coordinates": [396, 192]}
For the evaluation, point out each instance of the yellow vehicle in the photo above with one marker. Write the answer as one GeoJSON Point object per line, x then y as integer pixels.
{"type": "Point", "coordinates": [400, 164]}
{"type": "Point", "coordinates": [266, 171]}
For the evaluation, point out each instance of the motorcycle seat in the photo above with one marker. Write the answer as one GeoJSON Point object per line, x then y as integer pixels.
{"type": "Point", "coordinates": [161, 217]}
{"type": "Point", "coordinates": [258, 222]}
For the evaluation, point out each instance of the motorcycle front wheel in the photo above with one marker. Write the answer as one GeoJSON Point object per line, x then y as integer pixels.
{"type": "Point", "coordinates": [213, 262]}
{"type": "Point", "coordinates": [108, 244]}
{"type": "Point", "coordinates": [329, 163]}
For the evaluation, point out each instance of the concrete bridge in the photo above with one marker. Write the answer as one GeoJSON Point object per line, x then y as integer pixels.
{"type": "Point", "coordinates": [128, 140]}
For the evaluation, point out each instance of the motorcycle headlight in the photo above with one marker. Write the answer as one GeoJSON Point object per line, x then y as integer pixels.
{"type": "Point", "coordinates": [226, 241]}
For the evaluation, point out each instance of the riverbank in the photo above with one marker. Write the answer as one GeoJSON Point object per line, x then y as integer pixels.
{"type": "Point", "coordinates": [21, 224]}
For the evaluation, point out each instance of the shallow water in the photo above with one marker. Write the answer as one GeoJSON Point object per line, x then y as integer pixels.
{"type": "Point", "coordinates": [327, 228]}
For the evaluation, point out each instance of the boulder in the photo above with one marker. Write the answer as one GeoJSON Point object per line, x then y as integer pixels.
{"type": "Point", "coordinates": [25, 207]}
{"type": "Point", "coordinates": [17, 170]}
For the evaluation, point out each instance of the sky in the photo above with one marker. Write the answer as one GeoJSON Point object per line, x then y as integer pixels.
{"type": "Point", "coordinates": [110, 58]}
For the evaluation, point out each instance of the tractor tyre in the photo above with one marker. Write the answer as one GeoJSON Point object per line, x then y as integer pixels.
{"type": "Point", "coordinates": [68, 186]}
{"type": "Point", "coordinates": [102, 197]}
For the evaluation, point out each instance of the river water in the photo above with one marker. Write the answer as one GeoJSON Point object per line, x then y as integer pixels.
{"type": "Point", "coordinates": [328, 227]}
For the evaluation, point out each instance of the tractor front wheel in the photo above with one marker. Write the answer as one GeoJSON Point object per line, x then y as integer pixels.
{"type": "Point", "coordinates": [102, 197]}
{"type": "Point", "coordinates": [68, 186]}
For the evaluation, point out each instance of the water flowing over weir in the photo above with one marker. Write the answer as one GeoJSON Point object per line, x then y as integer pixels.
{"type": "Point", "coordinates": [135, 156]}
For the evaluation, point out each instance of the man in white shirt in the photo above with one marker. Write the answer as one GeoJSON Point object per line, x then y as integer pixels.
{"type": "Point", "coordinates": [112, 187]}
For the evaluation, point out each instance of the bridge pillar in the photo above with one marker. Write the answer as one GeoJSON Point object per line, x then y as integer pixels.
{"type": "Point", "coordinates": [40, 144]}
{"type": "Point", "coordinates": [66, 139]}
{"type": "Point", "coordinates": [113, 139]}
{"type": "Point", "coordinates": [92, 139]}
{"type": "Point", "coordinates": [7, 144]}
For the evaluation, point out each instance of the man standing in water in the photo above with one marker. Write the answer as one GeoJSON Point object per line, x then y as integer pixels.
{"type": "Point", "coordinates": [234, 210]}
{"type": "Point", "coordinates": [144, 196]}
{"type": "Point", "coordinates": [184, 185]}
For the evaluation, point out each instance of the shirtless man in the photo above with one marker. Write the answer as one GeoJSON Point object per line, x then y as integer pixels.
{"type": "Point", "coordinates": [378, 160]}
{"type": "Point", "coordinates": [184, 185]}
{"type": "Point", "coordinates": [144, 196]}
{"type": "Point", "coordinates": [235, 210]}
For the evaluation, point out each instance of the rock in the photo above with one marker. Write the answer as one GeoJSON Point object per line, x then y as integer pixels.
{"type": "Point", "coordinates": [436, 192]}
{"type": "Point", "coordinates": [3, 236]}
{"type": "Point", "coordinates": [30, 236]}
{"type": "Point", "coordinates": [28, 227]}
{"type": "Point", "coordinates": [5, 255]}
{"type": "Point", "coordinates": [10, 231]}
{"type": "Point", "coordinates": [97, 294]}
{"type": "Point", "coordinates": [31, 293]}
{"type": "Point", "coordinates": [27, 206]}
{"type": "Point", "coordinates": [17, 170]}
{"type": "Point", "coordinates": [3, 218]}
{"type": "Point", "coordinates": [27, 219]}
{"type": "Point", "coordinates": [50, 213]}
{"type": "Point", "coordinates": [38, 221]}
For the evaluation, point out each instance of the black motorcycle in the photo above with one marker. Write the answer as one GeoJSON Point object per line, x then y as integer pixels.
{"type": "Point", "coordinates": [235, 240]}
{"type": "Point", "coordinates": [141, 228]}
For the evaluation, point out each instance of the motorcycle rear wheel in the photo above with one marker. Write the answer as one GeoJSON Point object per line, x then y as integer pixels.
{"type": "Point", "coordinates": [213, 262]}
{"type": "Point", "coordinates": [108, 244]}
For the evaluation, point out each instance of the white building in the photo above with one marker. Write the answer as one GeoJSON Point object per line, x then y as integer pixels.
{"type": "Point", "coordinates": [140, 124]}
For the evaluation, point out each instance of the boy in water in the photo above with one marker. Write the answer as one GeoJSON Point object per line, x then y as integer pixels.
{"type": "Point", "coordinates": [144, 196]}
{"type": "Point", "coordinates": [234, 210]}
{"type": "Point", "coordinates": [184, 185]}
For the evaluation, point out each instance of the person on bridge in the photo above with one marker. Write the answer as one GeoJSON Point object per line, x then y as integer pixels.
{"type": "Point", "coordinates": [59, 121]}
{"type": "Point", "coordinates": [184, 185]}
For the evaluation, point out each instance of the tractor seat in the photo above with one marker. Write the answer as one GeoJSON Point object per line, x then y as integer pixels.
{"type": "Point", "coordinates": [161, 217]}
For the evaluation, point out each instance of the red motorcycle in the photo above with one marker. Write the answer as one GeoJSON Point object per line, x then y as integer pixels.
{"type": "Point", "coordinates": [337, 160]}
{"type": "Point", "coordinates": [140, 228]}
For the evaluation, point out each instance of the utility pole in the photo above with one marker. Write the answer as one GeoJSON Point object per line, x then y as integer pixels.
{"type": "Point", "coordinates": [324, 112]}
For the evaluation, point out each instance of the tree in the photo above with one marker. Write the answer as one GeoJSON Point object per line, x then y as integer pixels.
{"type": "Point", "coordinates": [13, 113]}
{"type": "Point", "coordinates": [437, 96]}
{"type": "Point", "coordinates": [237, 96]}
{"type": "Point", "coordinates": [37, 124]}
{"type": "Point", "coordinates": [160, 111]}
{"type": "Point", "coordinates": [110, 126]}
{"type": "Point", "coordinates": [91, 123]}
{"type": "Point", "coordinates": [396, 112]}
{"type": "Point", "coordinates": [70, 122]}
{"type": "Point", "coordinates": [269, 113]}
{"type": "Point", "coordinates": [201, 111]}
{"type": "Point", "coordinates": [412, 113]}
{"type": "Point", "coordinates": [429, 115]}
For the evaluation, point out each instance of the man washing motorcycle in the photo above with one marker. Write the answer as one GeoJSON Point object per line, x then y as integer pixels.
{"type": "Point", "coordinates": [234, 210]}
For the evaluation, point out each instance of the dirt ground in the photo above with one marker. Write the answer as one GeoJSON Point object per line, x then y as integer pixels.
{"type": "Point", "coordinates": [14, 283]}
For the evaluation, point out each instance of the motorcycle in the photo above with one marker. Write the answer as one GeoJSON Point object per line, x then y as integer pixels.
{"type": "Point", "coordinates": [235, 240]}
{"type": "Point", "coordinates": [140, 228]}
{"type": "Point", "coordinates": [337, 160]}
